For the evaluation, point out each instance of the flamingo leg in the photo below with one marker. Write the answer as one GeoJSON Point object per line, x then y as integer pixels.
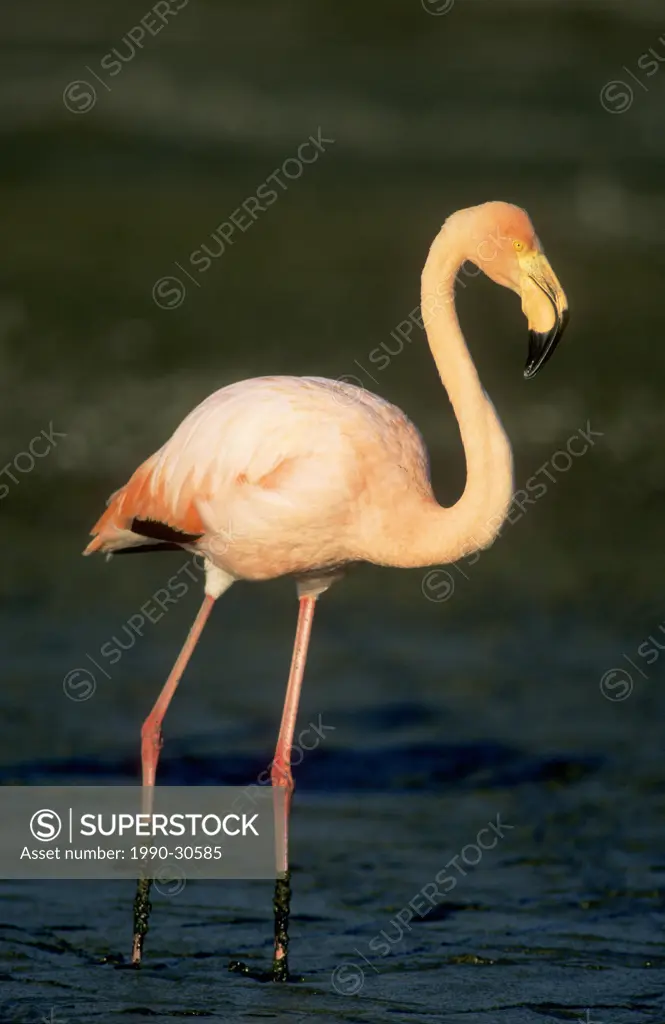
{"type": "Point", "coordinates": [151, 742]}
{"type": "Point", "coordinates": [280, 775]}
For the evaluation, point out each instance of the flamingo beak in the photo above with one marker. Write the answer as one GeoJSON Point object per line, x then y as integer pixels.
{"type": "Point", "coordinates": [546, 308]}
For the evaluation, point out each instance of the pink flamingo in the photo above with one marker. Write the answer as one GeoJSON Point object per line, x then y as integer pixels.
{"type": "Point", "coordinates": [303, 475]}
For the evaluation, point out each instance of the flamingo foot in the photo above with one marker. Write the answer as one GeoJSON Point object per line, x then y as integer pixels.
{"type": "Point", "coordinates": [282, 907]}
{"type": "Point", "coordinates": [280, 964]}
{"type": "Point", "coordinates": [142, 908]}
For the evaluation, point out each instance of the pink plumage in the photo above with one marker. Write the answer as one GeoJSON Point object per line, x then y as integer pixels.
{"type": "Point", "coordinates": [276, 475]}
{"type": "Point", "coordinates": [302, 475]}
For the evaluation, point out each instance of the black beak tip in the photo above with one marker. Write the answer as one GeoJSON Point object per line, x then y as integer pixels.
{"type": "Point", "coordinates": [542, 346]}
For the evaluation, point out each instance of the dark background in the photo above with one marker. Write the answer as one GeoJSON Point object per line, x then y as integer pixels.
{"type": "Point", "coordinates": [445, 712]}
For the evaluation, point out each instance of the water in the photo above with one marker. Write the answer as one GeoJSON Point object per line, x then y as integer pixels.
{"type": "Point", "coordinates": [449, 700]}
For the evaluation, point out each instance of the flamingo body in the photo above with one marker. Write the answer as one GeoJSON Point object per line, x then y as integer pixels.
{"type": "Point", "coordinates": [279, 475]}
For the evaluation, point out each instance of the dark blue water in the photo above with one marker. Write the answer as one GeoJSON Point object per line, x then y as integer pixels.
{"type": "Point", "coordinates": [562, 912]}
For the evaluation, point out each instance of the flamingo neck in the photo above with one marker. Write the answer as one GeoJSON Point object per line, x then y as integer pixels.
{"type": "Point", "coordinates": [475, 520]}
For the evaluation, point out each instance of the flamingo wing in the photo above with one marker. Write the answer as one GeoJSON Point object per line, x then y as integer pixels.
{"type": "Point", "coordinates": [280, 461]}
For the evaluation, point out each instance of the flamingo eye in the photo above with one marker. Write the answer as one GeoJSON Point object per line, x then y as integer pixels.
{"type": "Point", "coordinates": [518, 246]}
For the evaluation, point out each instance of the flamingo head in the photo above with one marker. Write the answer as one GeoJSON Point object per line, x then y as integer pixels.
{"type": "Point", "coordinates": [500, 239]}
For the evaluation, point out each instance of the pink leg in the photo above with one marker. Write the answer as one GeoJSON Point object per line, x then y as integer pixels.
{"type": "Point", "coordinates": [151, 742]}
{"type": "Point", "coordinates": [281, 777]}
{"type": "Point", "coordinates": [151, 731]}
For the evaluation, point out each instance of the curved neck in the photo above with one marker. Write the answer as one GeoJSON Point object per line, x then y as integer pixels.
{"type": "Point", "coordinates": [474, 521]}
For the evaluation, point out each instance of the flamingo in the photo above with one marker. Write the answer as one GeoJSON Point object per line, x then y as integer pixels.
{"type": "Point", "coordinates": [302, 476]}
